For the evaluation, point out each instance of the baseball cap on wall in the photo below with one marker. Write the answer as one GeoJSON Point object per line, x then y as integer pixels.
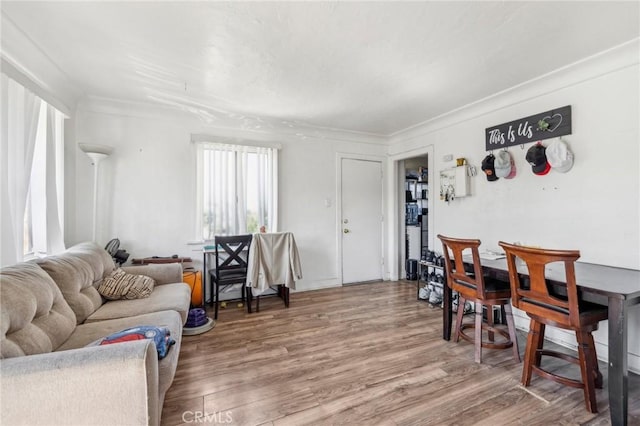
{"type": "Point", "coordinates": [488, 168]}
{"type": "Point", "coordinates": [538, 159]}
{"type": "Point", "coordinates": [559, 157]}
{"type": "Point", "coordinates": [504, 165]}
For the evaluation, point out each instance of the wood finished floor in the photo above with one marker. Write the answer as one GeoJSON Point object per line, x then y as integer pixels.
{"type": "Point", "coordinates": [366, 354]}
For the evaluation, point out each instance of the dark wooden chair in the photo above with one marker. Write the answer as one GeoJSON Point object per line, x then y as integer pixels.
{"type": "Point", "coordinates": [545, 306]}
{"type": "Point", "coordinates": [231, 255]}
{"type": "Point", "coordinates": [482, 291]}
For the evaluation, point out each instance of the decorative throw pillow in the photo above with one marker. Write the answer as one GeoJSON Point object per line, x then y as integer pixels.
{"type": "Point", "coordinates": [120, 285]}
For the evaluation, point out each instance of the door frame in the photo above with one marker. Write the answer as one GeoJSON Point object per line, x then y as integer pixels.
{"type": "Point", "coordinates": [395, 210]}
{"type": "Point", "coordinates": [383, 208]}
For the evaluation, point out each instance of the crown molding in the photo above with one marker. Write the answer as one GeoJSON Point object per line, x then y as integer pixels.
{"type": "Point", "coordinates": [242, 127]}
{"type": "Point", "coordinates": [619, 57]}
{"type": "Point", "coordinates": [21, 56]}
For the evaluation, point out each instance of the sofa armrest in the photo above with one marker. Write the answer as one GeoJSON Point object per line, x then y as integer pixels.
{"type": "Point", "coordinates": [107, 385]}
{"type": "Point", "coordinates": [163, 273]}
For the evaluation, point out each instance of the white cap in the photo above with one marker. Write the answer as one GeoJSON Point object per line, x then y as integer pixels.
{"type": "Point", "coordinates": [559, 157]}
{"type": "Point", "coordinates": [503, 165]}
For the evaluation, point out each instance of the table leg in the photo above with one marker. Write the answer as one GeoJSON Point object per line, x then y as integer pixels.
{"type": "Point", "coordinates": [618, 369]}
{"type": "Point", "coordinates": [447, 311]}
{"type": "Point", "coordinates": [204, 279]}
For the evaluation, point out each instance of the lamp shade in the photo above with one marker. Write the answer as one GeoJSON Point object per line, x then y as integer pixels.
{"type": "Point", "coordinates": [96, 152]}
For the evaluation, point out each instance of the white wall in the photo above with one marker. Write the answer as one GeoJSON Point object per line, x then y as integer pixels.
{"type": "Point", "coordinates": [147, 195]}
{"type": "Point", "coordinates": [147, 184]}
{"type": "Point", "coordinates": [594, 207]}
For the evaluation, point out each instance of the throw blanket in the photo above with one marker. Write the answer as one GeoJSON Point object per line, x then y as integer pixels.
{"type": "Point", "coordinates": [273, 259]}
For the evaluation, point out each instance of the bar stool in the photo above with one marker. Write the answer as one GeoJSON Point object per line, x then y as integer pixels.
{"type": "Point", "coordinates": [482, 291]}
{"type": "Point", "coordinates": [545, 307]}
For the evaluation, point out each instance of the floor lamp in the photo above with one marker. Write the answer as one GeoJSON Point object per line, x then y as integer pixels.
{"type": "Point", "coordinates": [97, 153]}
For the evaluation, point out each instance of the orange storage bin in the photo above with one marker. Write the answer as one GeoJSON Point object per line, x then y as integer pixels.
{"type": "Point", "coordinates": [194, 279]}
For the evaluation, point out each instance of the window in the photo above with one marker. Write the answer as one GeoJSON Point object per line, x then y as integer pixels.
{"type": "Point", "coordinates": [32, 174]}
{"type": "Point", "coordinates": [237, 189]}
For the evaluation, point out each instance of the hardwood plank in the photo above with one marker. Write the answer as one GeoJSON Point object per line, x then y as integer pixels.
{"type": "Point", "coordinates": [363, 354]}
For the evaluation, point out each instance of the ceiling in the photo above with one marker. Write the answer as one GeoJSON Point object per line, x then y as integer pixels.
{"type": "Point", "coordinates": [374, 67]}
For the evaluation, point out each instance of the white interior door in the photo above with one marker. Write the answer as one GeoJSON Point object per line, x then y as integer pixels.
{"type": "Point", "coordinates": [361, 220]}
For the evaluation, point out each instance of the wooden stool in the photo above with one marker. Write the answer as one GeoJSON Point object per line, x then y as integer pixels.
{"type": "Point", "coordinates": [482, 292]}
{"type": "Point", "coordinates": [534, 296]}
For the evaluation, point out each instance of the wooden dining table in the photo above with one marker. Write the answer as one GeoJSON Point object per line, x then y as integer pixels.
{"type": "Point", "coordinates": [614, 287]}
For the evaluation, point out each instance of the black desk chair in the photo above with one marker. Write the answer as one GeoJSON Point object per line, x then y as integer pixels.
{"type": "Point", "coordinates": [232, 253]}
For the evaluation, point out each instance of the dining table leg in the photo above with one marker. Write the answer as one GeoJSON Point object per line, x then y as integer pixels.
{"type": "Point", "coordinates": [447, 312]}
{"type": "Point", "coordinates": [618, 368]}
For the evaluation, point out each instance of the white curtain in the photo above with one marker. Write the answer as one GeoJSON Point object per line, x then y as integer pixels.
{"type": "Point", "coordinates": [267, 184]}
{"type": "Point", "coordinates": [20, 110]}
{"type": "Point", "coordinates": [218, 214]}
{"type": "Point", "coordinates": [55, 240]}
{"type": "Point", "coordinates": [237, 189]}
{"type": "Point", "coordinates": [242, 166]}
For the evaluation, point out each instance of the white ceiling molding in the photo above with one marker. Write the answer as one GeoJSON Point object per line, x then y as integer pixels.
{"type": "Point", "coordinates": [21, 57]}
{"type": "Point", "coordinates": [611, 60]}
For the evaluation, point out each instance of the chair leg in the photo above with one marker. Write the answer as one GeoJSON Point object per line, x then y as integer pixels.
{"type": "Point", "coordinates": [216, 301]}
{"type": "Point", "coordinates": [531, 354]}
{"type": "Point", "coordinates": [459, 315]}
{"type": "Point", "coordinates": [586, 370]}
{"type": "Point", "coordinates": [511, 326]}
{"type": "Point", "coordinates": [286, 296]}
{"type": "Point", "coordinates": [491, 334]}
{"type": "Point", "coordinates": [249, 298]}
{"type": "Point", "coordinates": [478, 333]}
{"type": "Point", "coordinates": [539, 345]}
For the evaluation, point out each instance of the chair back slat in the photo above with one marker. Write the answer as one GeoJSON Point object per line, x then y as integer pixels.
{"type": "Point", "coordinates": [231, 252]}
{"type": "Point", "coordinates": [534, 294]}
{"type": "Point", "coordinates": [457, 277]}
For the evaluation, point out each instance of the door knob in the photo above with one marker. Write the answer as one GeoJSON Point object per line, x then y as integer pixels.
{"type": "Point", "coordinates": [346, 231]}
{"type": "Point", "coordinates": [345, 221]}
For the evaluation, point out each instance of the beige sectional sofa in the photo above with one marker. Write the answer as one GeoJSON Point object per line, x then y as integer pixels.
{"type": "Point", "coordinates": [50, 311]}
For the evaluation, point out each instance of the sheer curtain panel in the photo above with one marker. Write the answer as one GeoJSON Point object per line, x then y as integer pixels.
{"type": "Point", "coordinates": [237, 189]}
{"type": "Point", "coordinates": [20, 112]}
{"type": "Point", "coordinates": [31, 174]}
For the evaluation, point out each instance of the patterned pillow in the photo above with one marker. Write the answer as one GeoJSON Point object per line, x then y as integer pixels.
{"type": "Point", "coordinates": [120, 285]}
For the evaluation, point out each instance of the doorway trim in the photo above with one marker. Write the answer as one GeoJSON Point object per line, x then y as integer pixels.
{"type": "Point", "coordinates": [383, 165]}
{"type": "Point", "coordinates": [397, 199]}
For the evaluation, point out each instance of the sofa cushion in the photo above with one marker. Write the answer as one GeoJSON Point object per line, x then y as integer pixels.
{"type": "Point", "coordinates": [35, 317]}
{"type": "Point", "coordinates": [74, 276]}
{"type": "Point", "coordinates": [175, 297]}
{"type": "Point", "coordinates": [85, 334]}
{"type": "Point", "coordinates": [100, 261]}
{"type": "Point", "coordinates": [120, 285]}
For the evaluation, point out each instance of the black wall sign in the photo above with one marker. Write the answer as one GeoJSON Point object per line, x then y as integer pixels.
{"type": "Point", "coordinates": [556, 122]}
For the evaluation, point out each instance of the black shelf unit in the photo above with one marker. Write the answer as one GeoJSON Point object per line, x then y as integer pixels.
{"type": "Point", "coordinates": [436, 280]}
{"type": "Point", "coordinates": [416, 223]}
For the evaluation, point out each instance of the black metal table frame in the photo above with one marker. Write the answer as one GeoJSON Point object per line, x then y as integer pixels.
{"type": "Point", "coordinates": [617, 288]}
